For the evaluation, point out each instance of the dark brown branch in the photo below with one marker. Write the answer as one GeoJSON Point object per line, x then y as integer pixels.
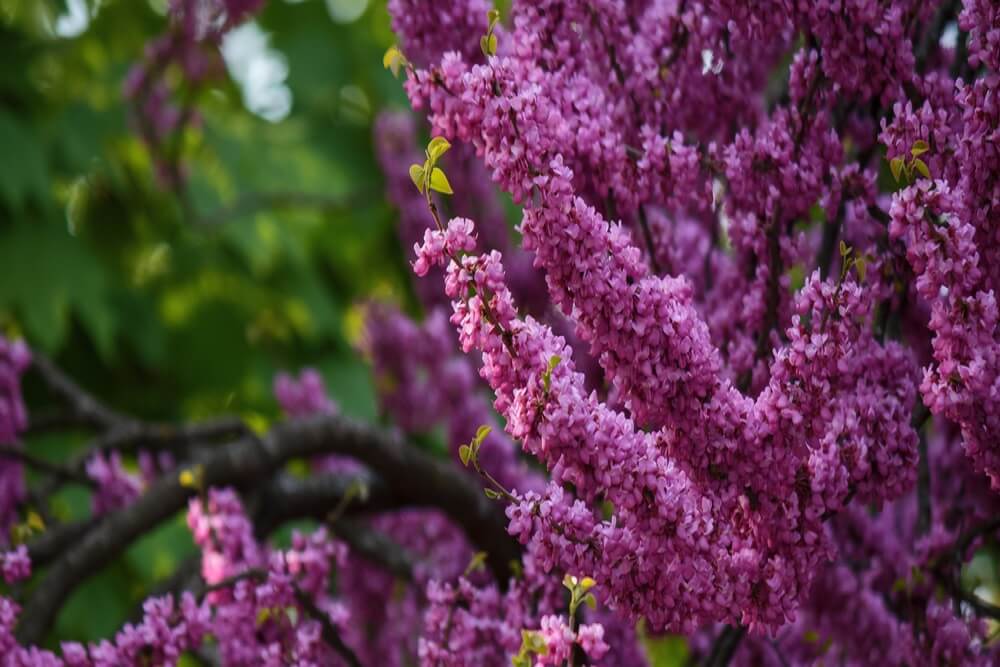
{"type": "Point", "coordinates": [55, 540]}
{"type": "Point", "coordinates": [286, 498]}
{"type": "Point", "coordinates": [330, 635]}
{"type": "Point", "coordinates": [724, 646]}
{"type": "Point", "coordinates": [132, 435]}
{"type": "Point", "coordinates": [953, 581]}
{"type": "Point", "coordinates": [415, 478]}
{"type": "Point", "coordinates": [919, 419]}
{"type": "Point", "coordinates": [831, 233]}
{"type": "Point", "coordinates": [647, 235]}
{"type": "Point", "coordinates": [772, 301]}
{"type": "Point", "coordinates": [120, 431]}
{"type": "Point", "coordinates": [254, 573]}
{"type": "Point", "coordinates": [153, 436]}
{"type": "Point", "coordinates": [62, 473]}
{"type": "Point", "coordinates": [375, 547]}
{"type": "Point", "coordinates": [85, 408]}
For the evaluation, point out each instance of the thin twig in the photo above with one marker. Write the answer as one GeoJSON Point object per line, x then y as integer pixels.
{"type": "Point", "coordinates": [60, 472]}
{"type": "Point", "coordinates": [330, 634]}
{"type": "Point", "coordinates": [724, 646]}
{"type": "Point", "coordinates": [86, 409]}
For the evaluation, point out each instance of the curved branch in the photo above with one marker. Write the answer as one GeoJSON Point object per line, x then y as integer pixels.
{"type": "Point", "coordinates": [330, 634]}
{"type": "Point", "coordinates": [724, 646]}
{"type": "Point", "coordinates": [286, 498]}
{"type": "Point", "coordinates": [54, 541]}
{"type": "Point", "coordinates": [85, 408]}
{"type": "Point", "coordinates": [121, 431]}
{"type": "Point", "coordinates": [415, 478]}
{"type": "Point", "coordinates": [375, 547]}
{"type": "Point", "coordinates": [59, 472]}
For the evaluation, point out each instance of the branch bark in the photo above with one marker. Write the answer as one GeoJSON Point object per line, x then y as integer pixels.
{"type": "Point", "coordinates": [415, 478]}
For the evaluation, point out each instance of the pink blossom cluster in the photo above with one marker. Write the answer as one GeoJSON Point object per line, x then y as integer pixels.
{"type": "Point", "coordinates": [728, 488]}
{"type": "Point", "coordinates": [14, 360]}
{"type": "Point", "coordinates": [115, 487]}
{"type": "Point", "coordinates": [468, 623]}
{"type": "Point", "coordinates": [168, 628]}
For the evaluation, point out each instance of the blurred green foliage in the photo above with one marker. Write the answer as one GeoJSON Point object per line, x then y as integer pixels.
{"type": "Point", "coordinates": [197, 306]}
{"type": "Point", "coordinates": [178, 312]}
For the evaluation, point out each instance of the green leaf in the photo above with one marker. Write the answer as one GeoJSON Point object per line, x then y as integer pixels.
{"type": "Point", "coordinates": [590, 601]}
{"type": "Point", "coordinates": [491, 494]}
{"type": "Point", "coordinates": [921, 167]}
{"type": "Point", "coordinates": [845, 249]}
{"type": "Point", "coordinates": [417, 176]}
{"type": "Point", "coordinates": [547, 375]}
{"type": "Point", "coordinates": [192, 478]}
{"type": "Point", "coordinates": [493, 16]}
{"type": "Point", "coordinates": [35, 521]}
{"type": "Point", "coordinates": [919, 148]}
{"type": "Point", "coordinates": [439, 182]}
{"type": "Point", "coordinates": [477, 562]}
{"type": "Point", "coordinates": [481, 433]}
{"type": "Point", "coordinates": [465, 453]}
{"type": "Point", "coordinates": [23, 170]}
{"type": "Point", "coordinates": [488, 44]}
{"type": "Point", "coordinates": [436, 148]}
{"type": "Point", "coordinates": [48, 276]}
{"type": "Point", "coordinates": [533, 641]}
{"type": "Point", "coordinates": [860, 264]}
{"type": "Point", "coordinates": [393, 60]}
{"type": "Point", "coordinates": [896, 167]}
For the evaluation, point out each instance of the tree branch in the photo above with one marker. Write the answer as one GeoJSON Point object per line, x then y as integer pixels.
{"type": "Point", "coordinates": [330, 635]}
{"type": "Point", "coordinates": [724, 646]}
{"type": "Point", "coordinates": [415, 478]}
{"type": "Point", "coordinates": [62, 473]}
{"type": "Point", "coordinates": [375, 547]}
{"type": "Point", "coordinates": [54, 541]}
{"type": "Point", "coordinates": [953, 583]}
{"type": "Point", "coordinates": [286, 498]}
{"type": "Point", "coordinates": [86, 409]}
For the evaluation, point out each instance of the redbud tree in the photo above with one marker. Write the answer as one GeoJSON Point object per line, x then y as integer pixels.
{"type": "Point", "coordinates": [734, 376]}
